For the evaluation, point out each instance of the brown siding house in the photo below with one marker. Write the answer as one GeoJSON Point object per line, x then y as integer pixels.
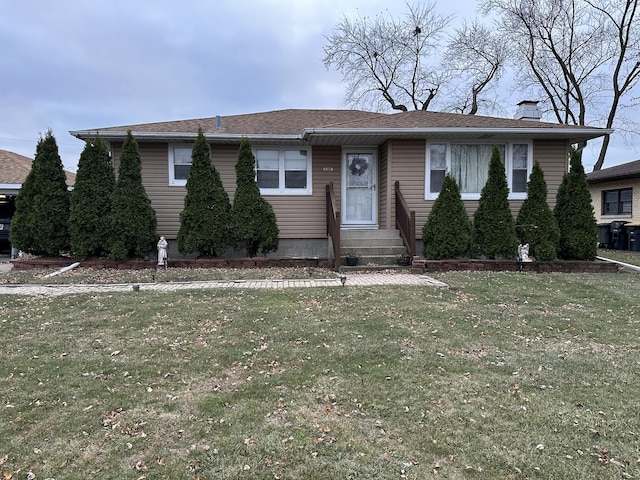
{"type": "Point", "coordinates": [360, 154]}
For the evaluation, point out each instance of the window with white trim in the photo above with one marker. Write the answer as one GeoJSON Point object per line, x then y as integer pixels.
{"type": "Point", "coordinates": [468, 163]}
{"type": "Point", "coordinates": [179, 164]}
{"type": "Point", "coordinates": [283, 171]}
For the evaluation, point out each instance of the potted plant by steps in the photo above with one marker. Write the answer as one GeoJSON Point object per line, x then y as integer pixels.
{"type": "Point", "coordinates": [351, 260]}
{"type": "Point", "coordinates": [403, 259]}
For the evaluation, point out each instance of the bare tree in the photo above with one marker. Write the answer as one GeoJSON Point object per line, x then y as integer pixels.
{"type": "Point", "coordinates": [476, 56]}
{"type": "Point", "coordinates": [581, 56]}
{"type": "Point", "coordinates": [389, 62]}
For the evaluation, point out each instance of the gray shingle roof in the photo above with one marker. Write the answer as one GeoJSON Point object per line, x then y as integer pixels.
{"type": "Point", "coordinates": [296, 121]}
{"type": "Point", "coordinates": [618, 172]}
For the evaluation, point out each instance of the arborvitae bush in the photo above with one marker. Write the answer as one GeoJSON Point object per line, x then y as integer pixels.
{"type": "Point", "coordinates": [536, 224]}
{"type": "Point", "coordinates": [133, 220]}
{"type": "Point", "coordinates": [40, 224]}
{"type": "Point", "coordinates": [205, 222]}
{"type": "Point", "coordinates": [256, 228]}
{"type": "Point", "coordinates": [495, 230]}
{"type": "Point", "coordinates": [575, 216]}
{"type": "Point", "coordinates": [448, 232]}
{"type": "Point", "coordinates": [91, 201]}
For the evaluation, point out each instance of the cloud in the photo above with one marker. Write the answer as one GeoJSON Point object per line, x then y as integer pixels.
{"type": "Point", "coordinates": [76, 64]}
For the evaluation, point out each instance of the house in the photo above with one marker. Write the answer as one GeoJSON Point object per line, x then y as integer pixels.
{"type": "Point", "coordinates": [333, 176]}
{"type": "Point", "coordinates": [14, 169]}
{"type": "Point", "coordinates": [612, 192]}
{"type": "Point", "coordinates": [615, 194]}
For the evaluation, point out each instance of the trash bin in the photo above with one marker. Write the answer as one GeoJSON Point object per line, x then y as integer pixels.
{"type": "Point", "coordinates": [604, 235]}
{"type": "Point", "coordinates": [618, 235]}
{"type": "Point", "coordinates": [633, 236]}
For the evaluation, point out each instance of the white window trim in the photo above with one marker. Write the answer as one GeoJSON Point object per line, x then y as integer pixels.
{"type": "Point", "coordinates": [283, 190]}
{"type": "Point", "coordinates": [508, 165]}
{"type": "Point", "coordinates": [176, 182]}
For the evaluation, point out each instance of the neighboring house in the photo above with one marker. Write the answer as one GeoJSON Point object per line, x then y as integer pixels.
{"type": "Point", "coordinates": [14, 169]}
{"type": "Point", "coordinates": [615, 192]}
{"type": "Point", "coordinates": [303, 154]}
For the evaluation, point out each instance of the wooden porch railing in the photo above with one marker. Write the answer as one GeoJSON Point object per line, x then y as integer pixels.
{"type": "Point", "coordinates": [405, 222]}
{"type": "Point", "coordinates": [333, 225]}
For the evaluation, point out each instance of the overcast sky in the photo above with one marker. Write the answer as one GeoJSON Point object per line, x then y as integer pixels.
{"type": "Point", "coordinates": [80, 64]}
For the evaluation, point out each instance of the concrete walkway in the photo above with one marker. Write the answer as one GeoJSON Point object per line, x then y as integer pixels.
{"type": "Point", "coordinates": [355, 280]}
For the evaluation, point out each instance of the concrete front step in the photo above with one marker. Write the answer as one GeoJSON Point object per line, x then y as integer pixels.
{"type": "Point", "coordinates": [374, 268]}
{"type": "Point", "coordinates": [368, 234]}
{"type": "Point", "coordinates": [364, 260]}
{"type": "Point", "coordinates": [378, 251]}
{"type": "Point", "coordinates": [372, 242]}
{"type": "Point", "coordinates": [372, 247]}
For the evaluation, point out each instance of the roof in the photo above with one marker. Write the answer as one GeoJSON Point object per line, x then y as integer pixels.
{"type": "Point", "coordinates": [318, 127]}
{"type": "Point", "coordinates": [624, 171]}
{"type": "Point", "coordinates": [14, 169]}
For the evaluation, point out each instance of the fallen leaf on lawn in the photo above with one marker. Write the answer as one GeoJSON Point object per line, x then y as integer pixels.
{"type": "Point", "coordinates": [4, 459]}
{"type": "Point", "coordinates": [7, 475]}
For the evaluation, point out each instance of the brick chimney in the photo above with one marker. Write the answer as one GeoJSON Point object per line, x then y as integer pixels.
{"type": "Point", "coordinates": [528, 110]}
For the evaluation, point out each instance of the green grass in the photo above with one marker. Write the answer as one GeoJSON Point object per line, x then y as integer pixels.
{"type": "Point", "coordinates": [503, 375]}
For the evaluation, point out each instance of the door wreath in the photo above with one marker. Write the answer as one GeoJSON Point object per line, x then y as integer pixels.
{"type": "Point", "coordinates": [358, 166]}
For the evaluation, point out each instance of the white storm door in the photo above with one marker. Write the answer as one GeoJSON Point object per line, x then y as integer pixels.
{"type": "Point", "coordinates": [359, 198]}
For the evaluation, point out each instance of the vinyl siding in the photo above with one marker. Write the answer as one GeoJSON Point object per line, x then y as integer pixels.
{"type": "Point", "coordinates": [553, 157]}
{"type": "Point", "coordinates": [385, 189]}
{"type": "Point", "coordinates": [409, 169]}
{"type": "Point", "coordinates": [304, 216]}
{"type": "Point", "coordinates": [299, 216]}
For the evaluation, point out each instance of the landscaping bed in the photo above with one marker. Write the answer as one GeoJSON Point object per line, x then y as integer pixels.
{"type": "Point", "coordinates": [419, 265]}
{"type": "Point", "coordinates": [561, 266]}
{"type": "Point", "coordinates": [99, 263]}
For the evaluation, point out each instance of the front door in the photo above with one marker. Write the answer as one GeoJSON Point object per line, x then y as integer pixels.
{"type": "Point", "coordinates": [359, 198]}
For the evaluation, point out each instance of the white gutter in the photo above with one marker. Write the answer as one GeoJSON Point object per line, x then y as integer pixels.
{"type": "Point", "coordinates": [625, 265]}
{"type": "Point", "coordinates": [84, 134]}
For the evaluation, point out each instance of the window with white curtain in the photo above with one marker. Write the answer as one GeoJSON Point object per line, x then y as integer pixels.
{"type": "Point", "coordinates": [468, 164]}
{"type": "Point", "coordinates": [283, 171]}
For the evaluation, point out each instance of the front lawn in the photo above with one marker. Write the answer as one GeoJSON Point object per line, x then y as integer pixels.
{"type": "Point", "coordinates": [504, 375]}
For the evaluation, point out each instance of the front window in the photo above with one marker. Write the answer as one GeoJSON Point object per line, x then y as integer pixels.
{"type": "Point", "coordinates": [179, 164]}
{"type": "Point", "coordinates": [468, 164]}
{"type": "Point", "coordinates": [617, 202]}
{"type": "Point", "coordinates": [283, 171]}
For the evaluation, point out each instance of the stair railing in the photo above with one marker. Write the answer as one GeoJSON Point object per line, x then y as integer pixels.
{"type": "Point", "coordinates": [405, 222]}
{"type": "Point", "coordinates": [333, 225]}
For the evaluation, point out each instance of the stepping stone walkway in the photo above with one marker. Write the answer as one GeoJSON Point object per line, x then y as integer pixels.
{"type": "Point", "coordinates": [358, 280]}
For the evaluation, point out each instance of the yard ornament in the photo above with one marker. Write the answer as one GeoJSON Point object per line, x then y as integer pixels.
{"type": "Point", "coordinates": [162, 252]}
{"type": "Point", "coordinates": [523, 253]}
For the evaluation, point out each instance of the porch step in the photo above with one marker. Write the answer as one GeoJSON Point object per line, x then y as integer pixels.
{"type": "Point", "coordinates": [374, 248]}
{"type": "Point", "coordinates": [368, 233]}
{"type": "Point", "coordinates": [375, 268]}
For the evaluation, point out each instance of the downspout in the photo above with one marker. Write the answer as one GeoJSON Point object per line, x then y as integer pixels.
{"type": "Point", "coordinates": [625, 265]}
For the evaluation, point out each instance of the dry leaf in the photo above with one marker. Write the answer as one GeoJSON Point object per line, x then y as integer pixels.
{"type": "Point", "coordinates": [7, 475]}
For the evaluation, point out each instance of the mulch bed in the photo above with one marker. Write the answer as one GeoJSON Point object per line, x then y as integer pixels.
{"type": "Point", "coordinates": [99, 263]}
{"type": "Point", "coordinates": [418, 266]}
{"type": "Point", "coordinates": [563, 266]}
